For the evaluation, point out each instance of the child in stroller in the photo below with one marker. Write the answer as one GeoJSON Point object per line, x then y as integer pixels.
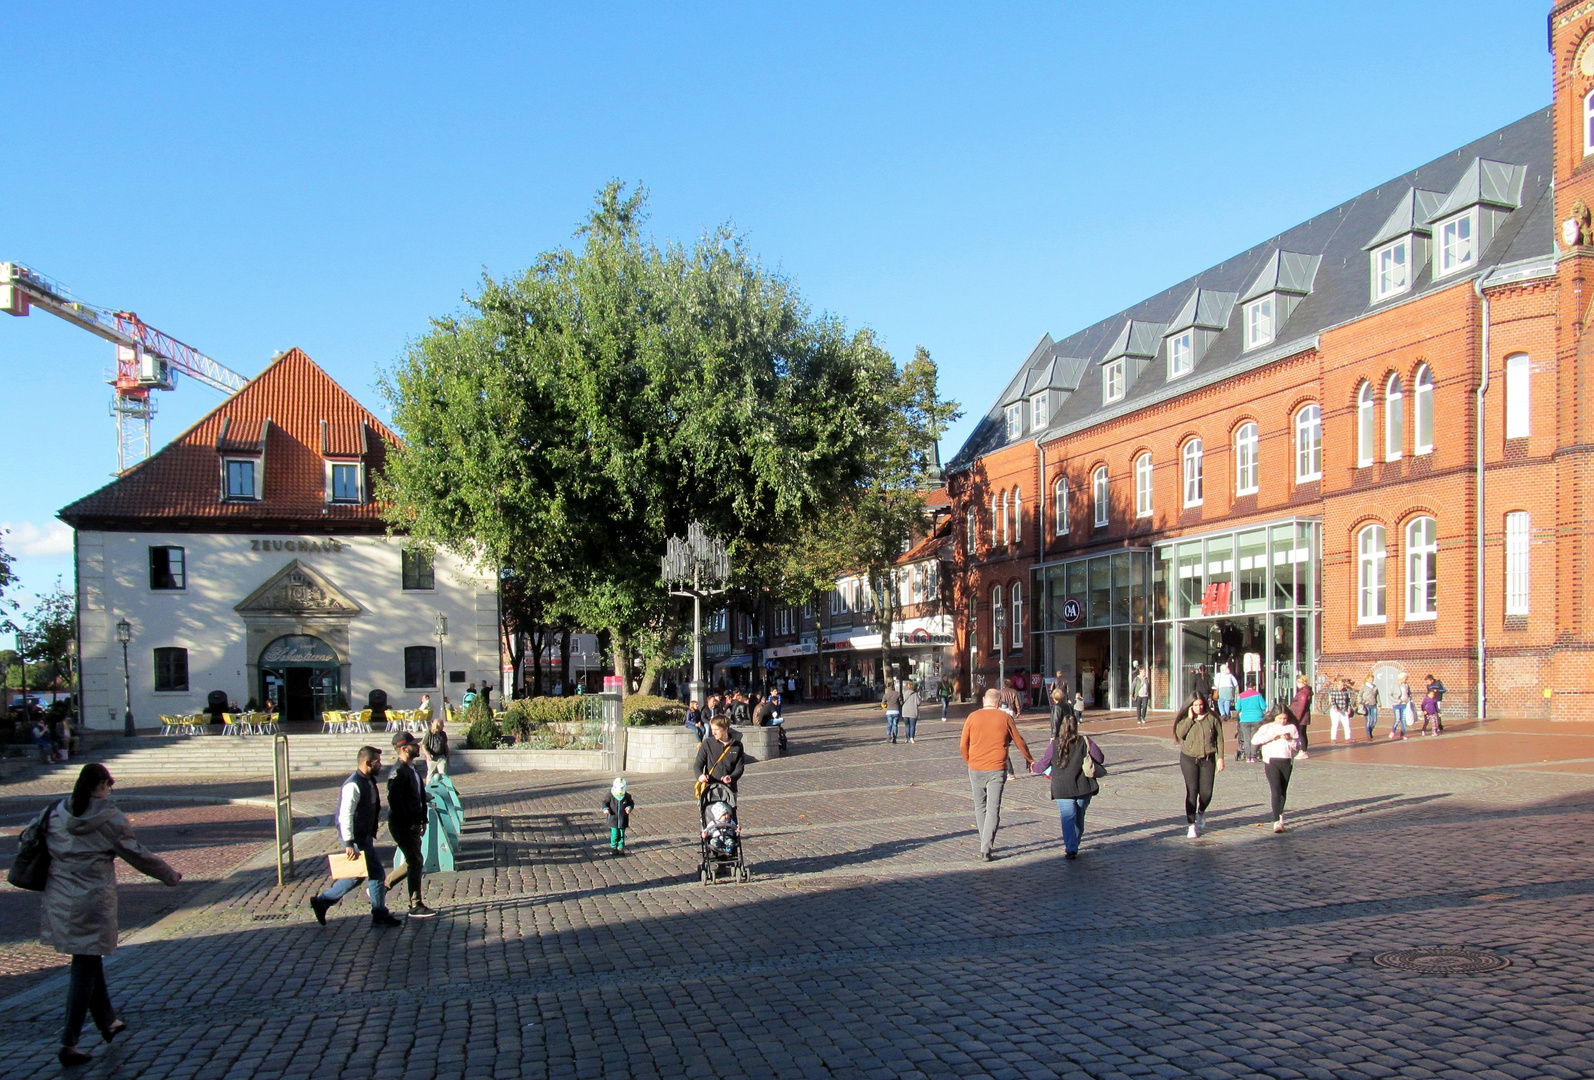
{"type": "Point", "coordinates": [721, 837]}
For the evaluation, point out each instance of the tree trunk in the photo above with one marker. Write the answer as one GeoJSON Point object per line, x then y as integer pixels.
{"type": "Point", "coordinates": [539, 642]}
{"type": "Point", "coordinates": [622, 659]}
{"type": "Point", "coordinates": [564, 662]}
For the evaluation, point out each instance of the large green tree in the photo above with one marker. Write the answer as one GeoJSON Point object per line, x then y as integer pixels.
{"type": "Point", "coordinates": [577, 415]}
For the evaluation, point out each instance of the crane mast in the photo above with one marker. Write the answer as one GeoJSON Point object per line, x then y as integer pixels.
{"type": "Point", "coordinates": [146, 359]}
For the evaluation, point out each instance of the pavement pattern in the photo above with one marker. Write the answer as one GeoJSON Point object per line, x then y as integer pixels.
{"type": "Point", "coordinates": [870, 942]}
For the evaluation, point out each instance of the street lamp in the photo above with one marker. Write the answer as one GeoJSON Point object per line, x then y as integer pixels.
{"type": "Point", "coordinates": [124, 634]}
{"type": "Point", "coordinates": [440, 628]}
{"type": "Point", "coordinates": [699, 567]}
{"type": "Point", "coordinates": [22, 659]}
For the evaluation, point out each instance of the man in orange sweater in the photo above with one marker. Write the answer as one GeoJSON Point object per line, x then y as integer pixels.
{"type": "Point", "coordinates": [987, 733]}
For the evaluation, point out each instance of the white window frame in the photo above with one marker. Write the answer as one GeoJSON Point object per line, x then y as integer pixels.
{"type": "Point", "coordinates": [1060, 505]}
{"type": "Point", "coordinates": [1422, 415]}
{"type": "Point", "coordinates": [1018, 517]}
{"type": "Point", "coordinates": [1588, 124]}
{"type": "Point", "coordinates": [1518, 396]}
{"type": "Point", "coordinates": [1422, 568]}
{"type": "Point", "coordinates": [1015, 634]}
{"type": "Point", "coordinates": [971, 522]}
{"type": "Point", "coordinates": [1392, 270]}
{"type": "Point", "coordinates": [359, 482]}
{"type": "Point", "coordinates": [1452, 253]}
{"type": "Point", "coordinates": [1113, 384]}
{"type": "Point", "coordinates": [1007, 527]}
{"type": "Point", "coordinates": [1308, 444]}
{"type": "Point", "coordinates": [1371, 575]}
{"type": "Point", "coordinates": [1394, 418]}
{"type": "Point", "coordinates": [1015, 420]}
{"type": "Point", "coordinates": [1261, 321]}
{"type": "Point", "coordinates": [1366, 426]}
{"type": "Point", "coordinates": [255, 475]}
{"type": "Point", "coordinates": [1193, 481]}
{"type": "Point", "coordinates": [1518, 562]}
{"type": "Point", "coordinates": [932, 581]}
{"type": "Point", "coordinates": [998, 618]}
{"type": "Point", "coordinates": [1181, 354]}
{"type": "Point", "coordinates": [1039, 411]}
{"type": "Point", "coordinates": [1144, 493]}
{"type": "Point", "coordinates": [1247, 447]}
{"type": "Point", "coordinates": [1100, 491]}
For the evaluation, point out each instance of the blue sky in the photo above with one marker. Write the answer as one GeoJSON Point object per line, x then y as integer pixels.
{"type": "Point", "coordinates": [963, 177]}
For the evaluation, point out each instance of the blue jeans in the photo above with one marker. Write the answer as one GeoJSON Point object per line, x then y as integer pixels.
{"type": "Point", "coordinates": [1372, 720]}
{"type": "Point", "coordinates": [374, 886]}
{"type": "Point", "coordinates": [910, 724]}
{"type": "Point", "coordinates": [1225, 704]}
{"type": "Point", "coordinates": [891, 724]}
{"type": "Point", "coordinates": [1398, 729]}
{"type": "Point", "coordinates": [1073, 814]}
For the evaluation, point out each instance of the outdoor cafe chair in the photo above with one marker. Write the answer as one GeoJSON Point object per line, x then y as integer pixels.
{"type": "Point", "coordinates": [331, 722]}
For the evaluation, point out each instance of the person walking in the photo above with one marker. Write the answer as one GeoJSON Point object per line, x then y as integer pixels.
{"type": "Point", "coordinates": [1071, 788]}
{"type": "Point", "coordinates": [1279, 740]}
{"type": "Point", "coordinates": [359, 811]}
{"type": "Point", "coordinates": [718, 758]}
{"type": "Point", "coordinates": [1061, 706]}
{"type": "Point", "coordinates": [1397, 730]}
{"type": "Point", "coordinates": [944, 692]}
{"type": "Point", "coordinates": [1369, 703]}
{"type": "Point", "coordinates": [891, 702]}
{"type": "Point", "coordinates": [1437, 688]}
{"type": "Point", "coordinates": [85, 834]}
{"type": "Point", "coordinates": [1339, 709]}
{"type": "Point", "coordinates": [1301, 708]}
{"type": "Point", "coordinates": [1227, 687]}
{"type": "Point", "coordinates": [1430, 713]}
{"type": "Point", "coordinates": [1140, 690]}
{"type": "Point", "coordinates": [436, 748]}
{"type": "Point", "coordinates": [1200, 736]}
{"type": "Point", "coordinates": [407, 802]}
{"type": "Point", "coordinates": [911, 703]}
{"type": "Point", "coordinates": [1251, 706]}
{"type": "Point", "coordinates": [987, 733]}
{"type": "Point", "coordinates": [617, 807]}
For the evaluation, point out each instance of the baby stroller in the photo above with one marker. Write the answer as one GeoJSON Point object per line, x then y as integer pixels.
{"type": "Point", "coordinates": [720, 849]}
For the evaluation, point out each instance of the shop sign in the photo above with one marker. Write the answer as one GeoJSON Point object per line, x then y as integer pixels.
{"type": "Point", "coordinates": [296, 545]}
{"type": "Point", "coordinates": [1073, 611]}
{"type": "Point", "coordinates": [1215, 598]}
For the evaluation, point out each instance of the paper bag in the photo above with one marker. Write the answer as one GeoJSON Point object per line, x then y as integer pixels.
{"type": "Point", "coordinates": [344, 867]}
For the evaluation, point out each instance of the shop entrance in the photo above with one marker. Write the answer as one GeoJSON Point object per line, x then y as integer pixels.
{"type": "Point", "coordinates": [299, 677]}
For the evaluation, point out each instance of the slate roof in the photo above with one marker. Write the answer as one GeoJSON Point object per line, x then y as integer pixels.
{"type": "Point", "coordinates": [294, 416]}
{"type": "Point", "coordinates": [1508, 169]}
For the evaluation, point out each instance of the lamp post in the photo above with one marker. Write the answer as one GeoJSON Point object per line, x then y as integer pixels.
{"type": "Point", "coordinates": [440, 628]}
{"type": "Point", "coordinates": [22, 660]}
{"type": "Point", "coordinates": [698, 566]}
{"type": "Point", "coordinates": [124, 634]}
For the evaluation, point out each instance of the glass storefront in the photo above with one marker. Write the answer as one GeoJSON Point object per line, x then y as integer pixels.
{"type": "Point", "coordinates": [1248, 598]}
{"type": "Point", "coordinates": [1091, 620]}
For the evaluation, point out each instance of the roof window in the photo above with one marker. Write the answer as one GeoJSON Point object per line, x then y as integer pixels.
{"type": "Point", "coordinates": [1285, 280]}
{"type": "Point", "coordinates": [1204, 315]}
{"type": "Point", "coordinates": [1465, 223]}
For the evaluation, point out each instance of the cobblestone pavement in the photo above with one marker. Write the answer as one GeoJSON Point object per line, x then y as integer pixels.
{"type": "Point", "coordinates": [871, 943]}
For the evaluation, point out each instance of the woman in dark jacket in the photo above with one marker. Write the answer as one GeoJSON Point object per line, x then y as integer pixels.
{"type": "Point", "coordinates": [718, 758]}
{"type": "Point", "coordinates": [1070, 786]}
{"type": "Point", "coordinates": [1199, 732]}
{"type": "Point", "coordinates": [1301, 707]}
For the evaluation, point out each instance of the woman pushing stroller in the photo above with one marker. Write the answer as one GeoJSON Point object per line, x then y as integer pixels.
{"type": "Point", "coordinates": [719, 766]}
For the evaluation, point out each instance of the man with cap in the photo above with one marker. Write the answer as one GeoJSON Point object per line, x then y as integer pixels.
{"type": "Point", "coordinates": [406, 820]}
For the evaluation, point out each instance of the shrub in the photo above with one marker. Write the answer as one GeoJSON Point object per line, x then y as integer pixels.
{"type": "Point", "coordinates": [646, 710]}
{"type": "Point", "coordinates": [482, 733]}
{"type": "Point", "coordinates": [528, 718]}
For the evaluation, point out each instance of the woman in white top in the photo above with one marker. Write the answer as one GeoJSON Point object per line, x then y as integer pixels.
{"type": "Point", "coordinates": [1278, 740]}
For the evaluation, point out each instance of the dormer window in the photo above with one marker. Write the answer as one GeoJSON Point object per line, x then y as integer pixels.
{"type": "Point", "coordinates": [1015, 420]}
{"type": "Point", "coordinates": [1181, 354]}
{"type": "Point", "coordinates": [240, 479]}
{"type": "Point", "coordinates": [1112, 382]}
{"type": "Point", "coordinates": [344, 482]}
{"type": "Point", "coordinates": [1392, 269]}
{"type": "Point", "coordinates": [1259, 322]}
{"type": "Point", "coordinates": [1456, 238]}
{"type": "Point", "coordinates": [1038, 412]}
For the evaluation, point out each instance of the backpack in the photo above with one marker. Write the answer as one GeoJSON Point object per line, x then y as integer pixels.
{"type": "Point", "coordinates": [31, 868]}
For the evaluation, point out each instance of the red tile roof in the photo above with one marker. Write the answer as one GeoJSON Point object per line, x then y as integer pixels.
{"type": "Point", "coordinates": [937, 498]}
{"type": "Point", "coordinates": [299, 415]}
{"type": "Point", "coordinates": [930, 547]}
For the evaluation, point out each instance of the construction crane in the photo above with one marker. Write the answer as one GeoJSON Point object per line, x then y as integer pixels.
{"type": "Point", "coordinates": [146, 359]}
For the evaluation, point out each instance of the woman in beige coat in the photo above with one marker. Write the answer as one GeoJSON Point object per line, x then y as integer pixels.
{"type": "Point", "coordinates": [87, 834]}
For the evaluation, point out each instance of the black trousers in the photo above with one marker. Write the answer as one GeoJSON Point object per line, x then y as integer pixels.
{"type": "Point", "coordinates": [1141, 705]}
{"type": "Point", "coordinates": [86, 994]}
{"type": "Point", "coordinates": [1198, 776]}
{"type": "Point", "coordinates": [1278, 782]}
{"type": "Point", "coordinates": [408, 840]}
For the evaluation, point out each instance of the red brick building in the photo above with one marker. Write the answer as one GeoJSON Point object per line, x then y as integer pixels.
{"type": "Point", "coordinates": [1360, 447]}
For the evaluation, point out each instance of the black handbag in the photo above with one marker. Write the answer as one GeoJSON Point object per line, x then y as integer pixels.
{"type": "Point", "coordinates": [31, 868]}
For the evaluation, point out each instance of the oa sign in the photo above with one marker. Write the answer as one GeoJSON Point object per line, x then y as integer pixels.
{"type": "Point", "coordinates": [1071, 612]}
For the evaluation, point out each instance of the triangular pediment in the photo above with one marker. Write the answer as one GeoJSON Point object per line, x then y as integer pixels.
{"type": "Point", "coordinates": [296, 589]}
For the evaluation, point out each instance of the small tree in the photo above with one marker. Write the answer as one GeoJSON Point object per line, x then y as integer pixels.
{"type": "Point", "coordinates": [51, 635]}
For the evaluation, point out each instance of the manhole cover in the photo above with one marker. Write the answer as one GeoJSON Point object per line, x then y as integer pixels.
{"type": "Point", "coordinates": [276, 916]}
{"type": "Point", "coordinates": [1442, 960]}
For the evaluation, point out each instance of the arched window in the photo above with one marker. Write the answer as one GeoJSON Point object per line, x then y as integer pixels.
{"type": "Point", "coordinates": [1422, 411]}
{"type": "Point", "coordinates": [1370, 575]}
{"type": "Point", "coordinates": [1016, 638]}
{"type": "Point", "coordinates": [1518, 398]}
{"type": "Point", "coordinates": [1192, 473]}
{"type": "Point", "coordinates": [1007, 526]}
{"type": "Point", "coordinates": [972, 527]}
{"type": "Point", "coordinates": [1309, 444]}
{"type": "Point", "coordinates": [1588, 124]}
{"type": "Point", "coordinates": [1143, 486]}
{"type": "Point", "coordinates": [1394, 419]}
{"type": "Point", "coordinates": [1366, 433]}
{"type": "Point", "coordinates": [998, 618]}
{"type": "Point", "coordinates": [1422, 564]}
{"type": "Point", "coordinates": [1099, 495]}
{"type": "Point", "coordinates": [1246, 447]}
{"type": "Point", "coordinates": [1060, 497]}
{"type": "Point", "coordinates": [1018, 518]}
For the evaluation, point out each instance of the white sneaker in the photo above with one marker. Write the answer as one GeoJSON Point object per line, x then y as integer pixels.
{"type": "Point", "coordinates": [1191, 833]}
{"type": "Point", "coordinates": [1278, 826]}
